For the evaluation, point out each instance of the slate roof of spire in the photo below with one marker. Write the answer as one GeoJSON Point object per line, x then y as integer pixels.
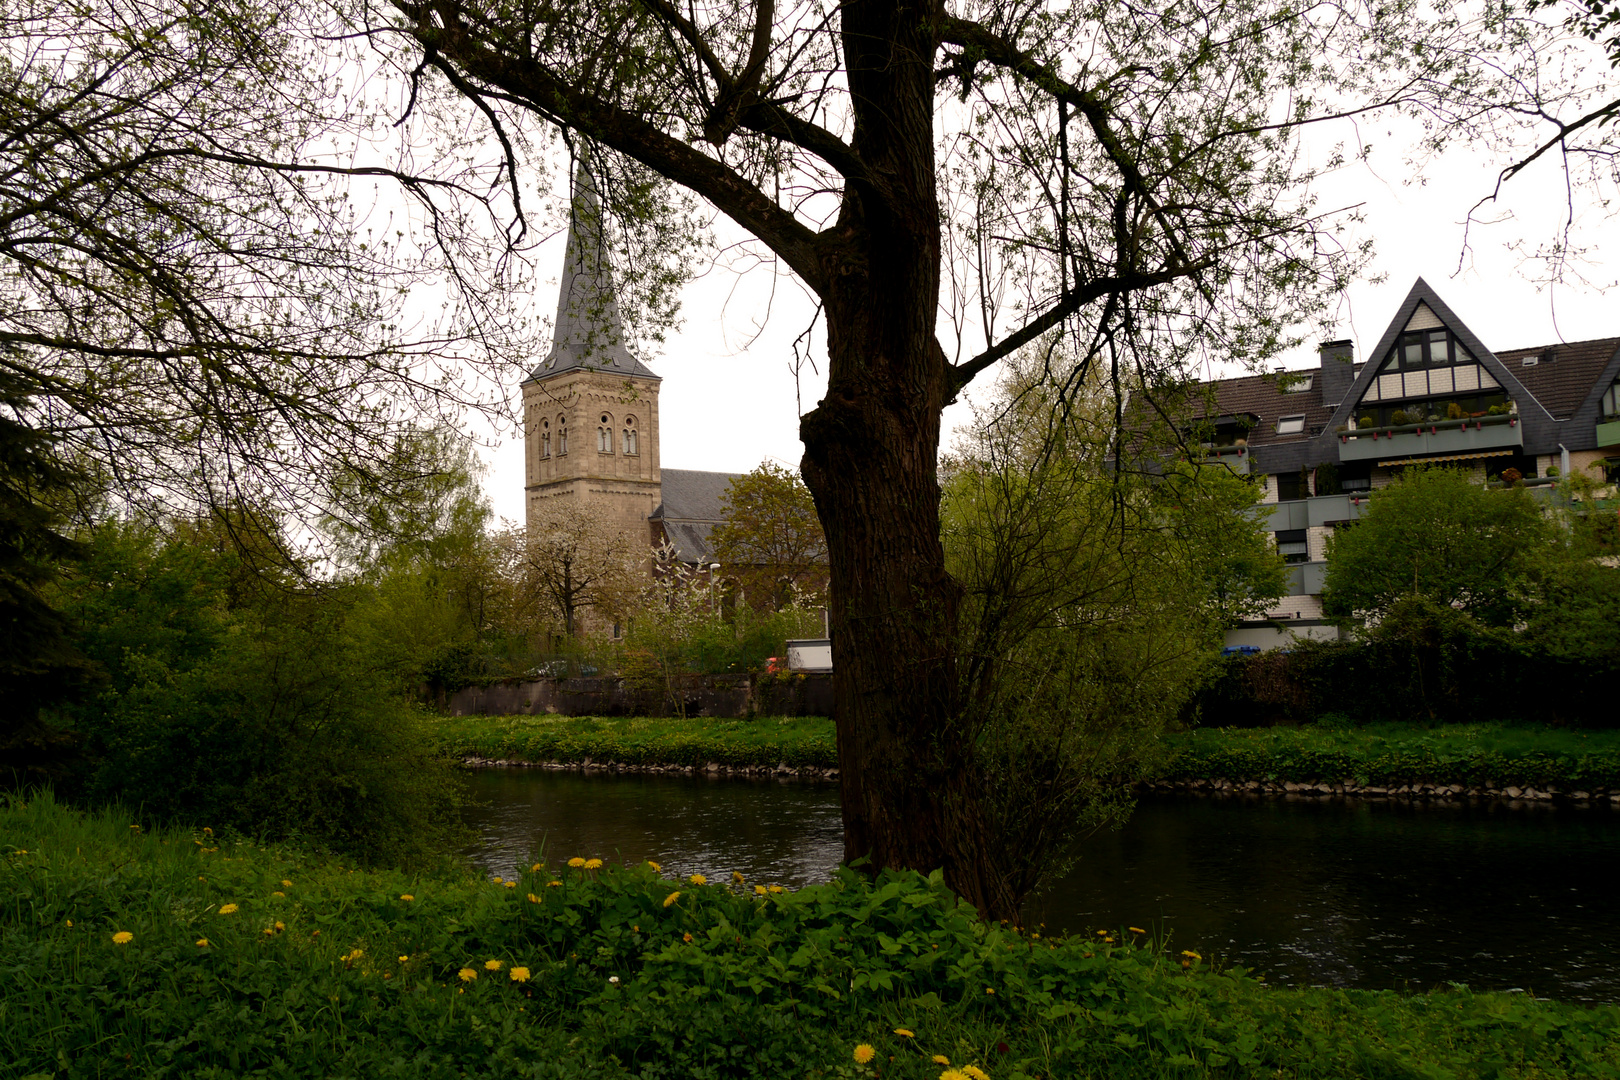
{"type": "Point", "coordinates": [589, 334]}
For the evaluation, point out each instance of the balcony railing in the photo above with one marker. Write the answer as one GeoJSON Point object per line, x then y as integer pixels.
{"type": "Point", "coordinates": [1434, 437]}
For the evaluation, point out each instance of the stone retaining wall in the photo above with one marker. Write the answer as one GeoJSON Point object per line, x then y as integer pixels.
{"type": "Point", "coordinates": [734, 696]}
{"type": "Point", "coordinates": [1403, 791]}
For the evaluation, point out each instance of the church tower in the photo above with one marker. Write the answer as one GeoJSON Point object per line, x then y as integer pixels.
{"type": "Point", "coordinates": [590, 409]}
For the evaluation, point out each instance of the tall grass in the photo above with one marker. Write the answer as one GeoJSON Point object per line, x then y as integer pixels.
{"type": "Point", "coordinates": [321, 970]}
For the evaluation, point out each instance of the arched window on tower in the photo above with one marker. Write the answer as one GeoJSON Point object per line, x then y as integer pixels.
{"type": "Point", "coordinates": [629, 434]}
{"type": "Point", "coordinates": [545, 438]}
{"type": "Point", "coordinates": [604, 434]}
{"type": "Point", "coordinates": [562, 435]}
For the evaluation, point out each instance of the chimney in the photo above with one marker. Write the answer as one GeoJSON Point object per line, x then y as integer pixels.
{"type": "Point", "coordinates": [1338, 371]}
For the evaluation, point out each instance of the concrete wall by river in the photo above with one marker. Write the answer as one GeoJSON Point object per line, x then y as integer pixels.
{"type": "Point", "coordinates": [807, 694]}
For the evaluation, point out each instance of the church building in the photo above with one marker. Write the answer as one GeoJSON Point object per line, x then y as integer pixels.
{"type": "Point", "coordinates": [590, 413]}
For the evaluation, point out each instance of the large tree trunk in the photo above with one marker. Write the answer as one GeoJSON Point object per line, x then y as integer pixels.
{"type": "Point", "coordinates": [906, 761]}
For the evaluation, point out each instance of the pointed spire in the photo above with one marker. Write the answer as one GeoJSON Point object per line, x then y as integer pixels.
{"type": "Point", "coordinates": [589, 332]}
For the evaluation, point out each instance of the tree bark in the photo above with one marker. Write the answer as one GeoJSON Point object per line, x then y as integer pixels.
{"type": "Point", "coordinates": [906, 762]}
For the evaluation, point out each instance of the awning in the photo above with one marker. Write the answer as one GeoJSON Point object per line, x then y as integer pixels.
{"type": "Point", "coordinates": [1448, 457]}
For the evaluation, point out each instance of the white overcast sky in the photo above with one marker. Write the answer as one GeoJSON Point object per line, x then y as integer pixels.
{"type": "Point", "coordinates": [730, 399]}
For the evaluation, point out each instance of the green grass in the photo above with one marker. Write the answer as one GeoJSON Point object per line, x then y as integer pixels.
{"type": "Point", "coordinates": [325, 971]}
{"type": "Point", "coordinates": [766, 741]}
{"type": "Point", "coordinates": [1474, 755]}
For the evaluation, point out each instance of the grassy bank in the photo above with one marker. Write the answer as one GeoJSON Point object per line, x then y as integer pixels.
{"type": "Point", "coordinates": [800, 742]}
{"type": "Point", "coordinates": [1475, 756]}
{"type": "Point", "coordinates": [139, 952]}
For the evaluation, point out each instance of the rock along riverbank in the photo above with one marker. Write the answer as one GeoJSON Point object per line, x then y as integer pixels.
{"type": "Point", "coordinates": [783, 771]}
{"type": "Point", "coordinates": [780, 771]}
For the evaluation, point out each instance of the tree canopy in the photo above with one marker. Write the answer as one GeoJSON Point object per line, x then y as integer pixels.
{"type": "Point", "coordinates": [1443, 537]}
{"type": "Point", "coordinates": [205, 289]}
{"type": "Point", "coordinates": [771, 541]}
{"type": "Point", "coordinates": [951, 182]}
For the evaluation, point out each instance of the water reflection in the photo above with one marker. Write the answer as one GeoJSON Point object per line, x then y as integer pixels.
{"type": "Point", "coordinates": [1364, 894]}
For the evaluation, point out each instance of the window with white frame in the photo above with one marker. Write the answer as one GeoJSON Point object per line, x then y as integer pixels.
{"type": "Point", "coordinates": [1290, 425]}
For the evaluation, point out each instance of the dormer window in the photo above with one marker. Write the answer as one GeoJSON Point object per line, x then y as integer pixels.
{"type": "Point", "coordinates": [1296, 383]}
{"type": "Point", "coordinates": [1291, 425]}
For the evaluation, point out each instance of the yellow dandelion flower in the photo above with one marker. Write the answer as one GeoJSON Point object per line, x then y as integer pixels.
{"type": "Point", "coordinates": [941, 1059]}
{"type": "Point", "coordinates": [553, 884]}
{"type": "Point", "coordinates": [698, 879]}
{"type": "Point", "coordinates": [1189, 954]}
{"type": "Point", "coordinates": [123, 937]}
{"type": "Point", "coordinates": [533, 899]}
{"type": "Point", "coordinates": [281, 926]}
{"type": "Point", "coordinates": [280, 894]}
{"type": "Point", "coordinates": [671, 898]}
{"type": "Point", "coordinates": [499, 879]}
{"type": "Point", "coordinates": [207, 831]}
{"type": "Point", "coordinates": [467, 974]}
{"type": "Point", "coordinates": [576, 862]}
{"type": "Point", "coordinates": [905, 1033]}
{"type": "Point", "coordinates": [535, 869]}
{"type": "Point", "coordinates": [519, 974]}
{"type": "Point", "coordinates": [737, 878]}
{"type": "Point", "coordinates": [655, 867]}
{"type": "Point", "coordinates": [404, 959]}
{"type": "Point", "coordinates": [1136, 929]}
{"type": "Point", "coordinates": [777, 889]}
{"type": "Point", "coordinates": [1102, 933]}
{"type": "Point", "coordinates": [406, 897]}
{"type": "Point", "coordinates": [352, 954]}
{"type": "Point", "coordinates": [864, 1053]}
{"type": "Point", "coordinates": [202, 943]}
{"type": "Point", "coordinates": [593, 864]}
{"type": "Point", "coordinates": [70, 924]}
{"type": "Point", "coordinates": [285, 884]}
{"type": "Point", "coordinates": [989, 989]}
{"type": "Point", "coordinates": [953, 1074]}
{"type": "Point", "coordinates": [269, 930]}
{"type": "Point", "coordinates": [492, 965]}
{"type": "Point", "coordinates": [760, 890]}
{"type": "Point", "coordinates": [228, 909]}
{"type": "Point", "coordinates": [686, 938]}
{"type": "Point", "coordinates": [511, 884]}
{"type": "Point", "coordinates": [635, 929]}
{"type": "Point", "coordinates": [975, 1072]}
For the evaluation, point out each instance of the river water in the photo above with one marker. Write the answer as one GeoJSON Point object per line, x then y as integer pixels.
{"type": "Point", "coordinates": [1369, 894]}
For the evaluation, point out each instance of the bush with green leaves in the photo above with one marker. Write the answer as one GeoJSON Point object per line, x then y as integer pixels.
{"type": "Point", "coordinates": [131, 950]}
{"type": "Point", "coordinates": [233, 698]}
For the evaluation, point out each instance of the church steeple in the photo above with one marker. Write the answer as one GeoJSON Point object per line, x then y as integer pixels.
{"type": "Point", "coordinates": [589, 332]}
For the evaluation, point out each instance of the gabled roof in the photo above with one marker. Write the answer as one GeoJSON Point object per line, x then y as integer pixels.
{"type": "Point", "coordinates": [690, 510]}
{"type": "Point", "coordinates": [1424, 295]}
{"type": "Point", "coordinates": [1564, 375]}
{"type": "Point", "coordinates": [589, 333]}
{"type": "Point", "coordinates": [1261, 396]}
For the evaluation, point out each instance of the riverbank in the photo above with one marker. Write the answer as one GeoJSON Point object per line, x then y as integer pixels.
{"type": "Point", "coordinates": [1386, 760]}
{"type": "Point", "coordinates": [801, 746]}
{"type": "Point", "coordinates": [1390, 760]}
{"type": "Point", "coordinates": [128, 950]}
